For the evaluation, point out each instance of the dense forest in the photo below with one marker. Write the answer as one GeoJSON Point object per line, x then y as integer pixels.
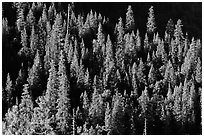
{"type": "Point", "coordinates": [66, 72]}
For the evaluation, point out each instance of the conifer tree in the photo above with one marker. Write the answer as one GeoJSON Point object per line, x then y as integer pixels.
{"type": "Point", "coordinates": [20, 20]}
{"type": "Point", "coordinates": [130, 22]}
{"type": "Point", "coordinates": [25, 111]}
{"type": "Point", "coordinates": [74, 64]}
{"type": "Point", "coordinates": [177, 108]}
{"type": "Point", "coordinates": [152, 75]}
{"type": "Point", "coordinates": [185, 100]}
{"type": "Point", "coordinates": [63, 115]}
{"type": "Point", "coordinates": [178, 34]}
{"type": "Point", "coordinates": [198, 73]}
{"type": "Point", "coordinates": [134, 80]}
{"type": "Point", "coordinates": [30, 19]}
{"type": "Point", "coordinates": [120, 31]}
{"type": "Point", "coordinates": [11, 122]}
{"type": "Point", "coordinates": [51, 95]}
{"type": "Point", "coordinates": [108, 117]}
{"type": "Point", "coordinates": [25, 50]}
{"type": "Point", "coordinates": [40, 124]}
{"type": "Point", "coordinates": [35, 76]}
{"type": "Point", "coordinates": [119, 55]}
{"type": "Point", "coordinates": [86, 105]}
{"type": "Point", "coordinates": [151, 26]}
{"type": "Point", "coordinates": [109, 62]}
{"type": "Point", "coordinates": [138, 41]}
{"type": "Point", "coordinates": [170, 27]}
{"type": "Point", "coordinates": [140, 72]}
{"type": "Point", "coordinates": [33, 42]}
{"type": "Point", "coordinates": [144, 100]}
{"type": "Point", "coordinates": [9, 91]}
{"type": "Point", "coordinates": [117, 124]}
{"type": "Point", "coordinates": [41, 37]}
{"type": "Point", "coordinates": [44, 15]}
{"type": "Point", "coordinates": [97, 110]}
{"type": "Point", "coordinates": [100, 36]}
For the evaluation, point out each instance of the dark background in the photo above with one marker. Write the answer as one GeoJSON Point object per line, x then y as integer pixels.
{"type": "Point", "coordinates": [189, 12]}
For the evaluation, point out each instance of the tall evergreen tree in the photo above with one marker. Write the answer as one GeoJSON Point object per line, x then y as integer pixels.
{"type": "Point", "coordinates": [30, 19]}
{"type": "Point", "coordinates": [33, 42]}
{"type": "Point", "coordinates": [35, 76]}
{"type": "Point", "coordinates": [51, 95]}
{"type": "Point", "coordinates": [25, 50]}
{"type": "Point", "coordinates": [11, 122]}
{"type": "Point", "coordinates": [97, 110]}
{"type": "Point", "coordinates": [151, 26]}
{"type": "Point", "coordinates": [117, 124]}
{"type": "Point", "coordinates": [178, 34]}
{"type": "Point", "coordinates": [170, 27]}
{"type": "Point", "coordinates": [177, 108]}
{"type": "Point", "coordinates": [152, 75]}
{"type": "Point", "coordinates": [108, 117]}
{"type": "Point", "coordinates": [20, 20]}
{"type": "Point", "coordinates": [140, 73]}
{"type": "Point", "coordinates": [144, 100]}
{"type": "Point", "coordinates": [9, 91]}
{"type": "Point", "coordinates": [134, 80]}
{"type": "Point", "coordinates": [63, 115]}
{"type": "Point", "coordinates": [25, 111]}
{"type": "Point", "coordinates": [198, 73]}
{"type": "Point", "coordinates": [130, 22]}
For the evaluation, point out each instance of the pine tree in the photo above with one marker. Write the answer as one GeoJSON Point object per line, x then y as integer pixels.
{"type": "Point", "coordinates": [144, 100]}
{"type": "Point", "coordinates": [9, 91]}
{"type": "Point", "coordinates": [35, 76]}
{"type": "Point", "coordinates": [119, 55]}
{"type": "Point", "coordinates": [11, 122]}
{"type": "Point", "coordinates": [178, 34]}
{"type": "Point", "coordinates": [44, 15]}
{"type": "Point", "coordinates": [39, 124]}
{"type": "Point", "coordinates": [25, 111]}
{"type": "Point", "coordinates": [192, 104]}
{"type": "Point", "coordinates": [47, 57]}
{"type": "Point", "coordinates": [56, 37]}
{"type": "Point", "coordinates": [117, 124]}
{"type": "Point", "coordinates": [130, 22]}
{"type": "Point", "coordinates": [134, 80]}
{"type": "Point", "coordinates": [177, 108]}
{"type": "Point", "coordinates": [198, 73]}
{"type": "Point", "coordinates": [185, 100]}
{"type": "Point", "coordinates": [152, 75]}
{"type": "Point", "coordinates": [30, 19]}
{"type": "Point", "coordinates": [140, 73]}
{"type": "Point", "coordinates": [108, 118]}
{"type": "Point", "coordinates": [33, 42]}
{"type": "Point", "coordinates": [151, 26]}
{"type": "Point", "coordinates": [63, 116]}
{"type": "Point", "coordinates": [138, 41]}
{"type": "Point", "coordinates": [41, 37]}
{"type": "Point", "coordinates": [92, 20]}
{"type": "Point", "coordinates": [100, 36]}
{"type": "Point", "coordinates": [170, 27]}
{"type": "Point", "coordinates": [120, 31]}
{"type": "Point", "coordinates": [20, 20]}
{"type": "Point", "coordinates": [146, 44]}
{"type": "Point", "coordinates": [86, 105]}
{"type": "Point", "coordinates": [109, 59]}
{"type": "Point", "coordinates": [51, 95]}
{"type": "Point", "coordinates": [75, 63]}
{"type": "Point", "coordinates": [97, 110]}
{"type": "Point", "coordinates": [25, 50]}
